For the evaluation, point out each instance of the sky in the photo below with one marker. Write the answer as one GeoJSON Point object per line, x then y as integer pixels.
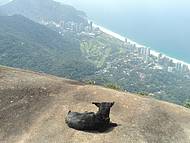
{"type": "Point", "coordinates": [118, 6]}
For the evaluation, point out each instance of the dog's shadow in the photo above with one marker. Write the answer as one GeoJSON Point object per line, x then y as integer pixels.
{"type": "Point", "coordinates": [107, 129]}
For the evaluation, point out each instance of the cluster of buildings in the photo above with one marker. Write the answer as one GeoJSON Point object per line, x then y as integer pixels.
{"type": "Point", "coordinates": [142, 52]}
{"type": "Point", "coordinates": [172, 66]}
{"type": "Point", "coordinates": [160, 61]}
{"type": "Point", "coordinates": [182, 67]}
{"type": "Point", "coordinates": [77, 27]}
{"type": "Point", "coordinates": [70, 26]}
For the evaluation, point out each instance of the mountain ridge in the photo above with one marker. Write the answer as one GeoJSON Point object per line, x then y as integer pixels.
{"type": "Point", "coordinates": [50, 11]}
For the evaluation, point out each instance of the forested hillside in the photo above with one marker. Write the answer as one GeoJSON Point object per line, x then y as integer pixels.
{"type": "Point", "coordinates": [29, 45]}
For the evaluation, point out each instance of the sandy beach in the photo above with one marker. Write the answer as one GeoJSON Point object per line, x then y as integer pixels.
{"type": "Point", "coordinates": [122, 38]}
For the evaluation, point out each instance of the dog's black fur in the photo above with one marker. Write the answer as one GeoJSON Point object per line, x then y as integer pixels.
{"type": "Point", "coordinates": [91, 121]}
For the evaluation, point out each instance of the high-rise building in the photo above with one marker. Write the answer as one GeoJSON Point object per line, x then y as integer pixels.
{"type": "Point", "coordinates": [91, 26]}
{"type": "Point", "coordinates": [185, 68]}
{"type": "Point", "coordinates": [81, 27]}
{"type": "Point", "coordinates": [126, 40]}
{"type": "Point", "coordinates": [148, 52]}
{"type": "Point", "coordinates": [178, 66]}
{"type": "Point", "coordinates": [159, 56]}
{"type": "Point", "coordinates": [144, 51]}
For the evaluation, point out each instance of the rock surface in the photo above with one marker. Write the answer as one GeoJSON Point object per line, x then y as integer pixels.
{"type": "Point", "coordinates": [33, 107]}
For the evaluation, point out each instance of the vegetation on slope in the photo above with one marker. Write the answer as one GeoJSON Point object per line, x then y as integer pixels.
{"type": "Point", "coordinates": [187, 104]}
{"type": "Point", "coordinates": [28, 45]}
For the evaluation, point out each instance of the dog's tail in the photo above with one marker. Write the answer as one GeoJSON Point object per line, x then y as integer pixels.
{"type": "Point", "coordinates": [113, 124]}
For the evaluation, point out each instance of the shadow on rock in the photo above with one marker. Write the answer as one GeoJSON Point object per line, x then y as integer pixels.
{"type": "Point", "coordinates": [107, 129]}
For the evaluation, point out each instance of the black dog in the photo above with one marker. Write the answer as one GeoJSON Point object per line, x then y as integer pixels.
{"type": "Point", "coordinates": [90, 120]}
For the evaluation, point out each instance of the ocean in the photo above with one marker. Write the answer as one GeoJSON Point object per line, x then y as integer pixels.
{"type": "Point", "coordinates": [161, 25]}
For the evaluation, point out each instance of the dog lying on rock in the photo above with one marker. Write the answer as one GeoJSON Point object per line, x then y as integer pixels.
{"type": "Point", "coordinates": [90, 120]}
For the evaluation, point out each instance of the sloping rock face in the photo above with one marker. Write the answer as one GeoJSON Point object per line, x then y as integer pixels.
{"type": "Point", "coordinates": [33, 107]}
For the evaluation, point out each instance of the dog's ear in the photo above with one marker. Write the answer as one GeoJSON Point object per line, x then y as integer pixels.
{"type": "Point", "coordinates": [112, 104]}
{"type": "Point", "coordinates": [96, 103]}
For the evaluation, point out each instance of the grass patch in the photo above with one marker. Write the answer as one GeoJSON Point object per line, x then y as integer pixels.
{"type": "Point", "coordinates": [143, 94]}
{"type": "Point", "coordinates": [113, 86]}
{"type": "Point", "coordinates": [91, 82]}
{"type": "Point", "coordinates": [187, 104]}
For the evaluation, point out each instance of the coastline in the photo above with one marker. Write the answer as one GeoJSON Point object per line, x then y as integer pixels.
{"type": "Point", "coordinates": [152, 52]}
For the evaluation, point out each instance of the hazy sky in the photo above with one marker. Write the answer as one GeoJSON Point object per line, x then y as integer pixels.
{"type": "Point", "coordinates": [122, 5]}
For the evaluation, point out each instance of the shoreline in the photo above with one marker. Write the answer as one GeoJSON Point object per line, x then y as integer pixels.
{"type": "Point", "coordinates": [152, 52]}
